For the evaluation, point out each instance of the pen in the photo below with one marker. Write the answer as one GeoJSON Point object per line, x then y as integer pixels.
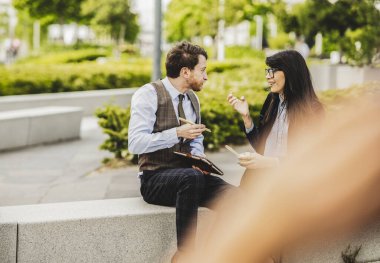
{"type": "Point", "coordinates": [232, 150]}
{"type": "Point", "coordinates": [190, 122]}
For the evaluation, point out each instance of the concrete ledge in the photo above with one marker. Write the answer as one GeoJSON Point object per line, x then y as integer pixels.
{"type": "Point", "coordinates": [27, 127]}
{"type": "Point", "coordinates": [326, 76]}
{"type": "Point", "coordinates": [89, 101]}
{"type": "Point", "coordinates": [8, 242]}
{"type": "Point", "coordinates": [116, 230]}
{"type": "Point", "coordinates": [126, 230]}
{"type": "Point", "coordinates": [368, 237]}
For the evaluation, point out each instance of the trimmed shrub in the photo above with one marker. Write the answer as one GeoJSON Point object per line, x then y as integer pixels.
{"type": "Point", "coordinates": [114, 120]}
{"type": "Point", "coordinates": [32, 79]}
{"type": "Point", "coordinates": [70, 56]}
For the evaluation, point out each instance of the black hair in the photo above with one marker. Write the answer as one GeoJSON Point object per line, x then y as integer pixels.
{"type": "Point", "coordinates": [184, 54]}
{"type": "Point", "coordinates": [299, 94]}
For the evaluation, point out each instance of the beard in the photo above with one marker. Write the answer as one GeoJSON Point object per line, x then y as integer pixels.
{"type": "Point", "coordinates": [195, 85]}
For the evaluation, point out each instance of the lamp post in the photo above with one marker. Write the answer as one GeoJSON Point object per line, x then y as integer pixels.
{"type": "Point", "coordinates": [157, 41]}
{"type": "Point", "coordinates": [377, 4]}
{"type": "Point", "coordinates": [220, 54]}
{"type": "Point", "coordinates": [259, 32]}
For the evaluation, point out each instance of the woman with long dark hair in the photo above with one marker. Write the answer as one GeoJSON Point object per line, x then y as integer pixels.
{"type": "Point", "coordinates": [290, 105]}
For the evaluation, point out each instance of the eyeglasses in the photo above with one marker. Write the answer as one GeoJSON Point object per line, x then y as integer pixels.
{"type": "Point", "coordinates": [271, 71]}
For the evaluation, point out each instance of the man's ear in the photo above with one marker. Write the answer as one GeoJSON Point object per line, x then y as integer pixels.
{"type": "Point", "coordinates": [185, 72]}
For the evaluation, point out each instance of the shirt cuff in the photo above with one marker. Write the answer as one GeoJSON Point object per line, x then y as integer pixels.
{"type": "Point", "coordinates": [248, 130]}
{"type": "Point", "coordinates": [197, 153]}
{"type": "Point", "coordinates": [171, 137]}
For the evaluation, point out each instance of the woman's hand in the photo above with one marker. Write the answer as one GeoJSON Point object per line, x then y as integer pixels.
{"type": "Point", "coordinates": [240, 105]}
{"type": "Point", "coordinates": [256, 161]}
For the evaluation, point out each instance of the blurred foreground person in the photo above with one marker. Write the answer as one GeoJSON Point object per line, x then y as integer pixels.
{"type": "Point", "coordinates": [336, 170]}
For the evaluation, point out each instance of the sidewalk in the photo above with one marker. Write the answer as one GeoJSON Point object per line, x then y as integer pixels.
{"type": "Point", "coordinates": [67, 171]}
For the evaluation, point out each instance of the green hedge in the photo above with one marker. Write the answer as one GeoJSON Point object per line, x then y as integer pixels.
{"type": "Point", "coordinates": [76, 70]}
{"type": "Point", "coordinates": [47, 78]}
{"type": "Point", "coordinates": [69, 56]}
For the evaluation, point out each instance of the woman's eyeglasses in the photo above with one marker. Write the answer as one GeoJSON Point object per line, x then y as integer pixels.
{"type": "Point", "coordinates": [271, 71]}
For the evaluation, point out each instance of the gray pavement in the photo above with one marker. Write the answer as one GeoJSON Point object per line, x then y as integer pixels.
{"type": "Point", "coordinates": [70, 171]}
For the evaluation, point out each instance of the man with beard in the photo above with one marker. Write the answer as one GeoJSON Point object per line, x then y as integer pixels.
{"type": "Point", "coordinates": [155, 132]}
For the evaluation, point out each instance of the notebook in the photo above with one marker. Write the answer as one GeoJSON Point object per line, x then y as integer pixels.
{"type": "Point", "coordinates": [200, 162]}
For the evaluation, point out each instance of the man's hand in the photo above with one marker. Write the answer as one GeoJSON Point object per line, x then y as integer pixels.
{"type": "Point", "coordinates": [256, 161]}
{"type": "Point", "coordinates": [190, 131]}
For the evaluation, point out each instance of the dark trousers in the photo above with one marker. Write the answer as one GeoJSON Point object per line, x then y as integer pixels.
{"type": "Point", "coordinates": [183, 188]}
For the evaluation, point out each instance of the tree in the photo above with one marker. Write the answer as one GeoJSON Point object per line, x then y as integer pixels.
{"type": "Point", "coordinates": [50, 11]}
{"type": "Point", "coordinates": [113, 16]}
{"type": "Point", "coordinates": [186, 20]}
{"type": "Point", "coordinates": [353, 27]}
{"type": "Point", "coordinates": [59, 11]}
{"type": "Point", "coordinates": [198, 18]}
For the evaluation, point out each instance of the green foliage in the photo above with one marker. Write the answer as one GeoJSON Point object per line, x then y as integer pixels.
{"type": "Point", "coordinates": [234, 52]}
{"type": "Point", "coordinates": [189, 20]}
{"type": "Point", "coordinates": [186, 20]}
{"type": "Point", "coordinates": [361, 45]}
{"type": "Point", "coordinates": [219, 67]}
{"type": "Point", "coordinates": [59, 11]}
{"type": "Point", "coordinates": [114, 16]}
{"type": "Point", "coordinates": [66, 56]}
{"type": "Point", "coordinates": [114, 121]}
{"type": "Point", "coordinates": [46, 78]}
{"type": "Point", "coordinates": [282, 41]}
{"type": "Point", "coordinates": [342, 25]}
{"type": "Point", "coordinates": [330, 43]}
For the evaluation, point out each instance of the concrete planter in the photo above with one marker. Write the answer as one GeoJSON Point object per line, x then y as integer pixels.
{"type": "Point", "coordinates": [89, 100]}
{"type": "Point", "coordinates": [341, 76]}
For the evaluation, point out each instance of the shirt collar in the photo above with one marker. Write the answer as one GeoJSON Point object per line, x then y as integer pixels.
{"type": "Point", "coordinates": [171, 89]}
{"type": "Point", "coordinates": [282, 97]}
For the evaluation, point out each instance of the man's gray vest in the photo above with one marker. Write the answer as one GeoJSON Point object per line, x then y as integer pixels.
{"type": "Point", "coordinates": [167, 119]}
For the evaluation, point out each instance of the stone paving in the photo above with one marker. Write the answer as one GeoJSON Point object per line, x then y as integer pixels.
{"type": "Point", "coordinates": [69, 171]}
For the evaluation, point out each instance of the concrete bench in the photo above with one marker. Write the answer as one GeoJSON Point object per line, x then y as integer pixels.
{"type": "Point", "coordinates": [124, 230]}
{"type": "Point", "coordinates": [27, 127]}
{"type": "Point", "coordinates": [89, 101]}
{"type": "Point", "coordinates": [114, 230]}
{"type": "Point", "coordinates": [330, 251]}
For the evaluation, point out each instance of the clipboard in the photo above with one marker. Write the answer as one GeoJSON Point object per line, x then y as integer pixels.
{"type": "Point", "coordinates": [201, 162]}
